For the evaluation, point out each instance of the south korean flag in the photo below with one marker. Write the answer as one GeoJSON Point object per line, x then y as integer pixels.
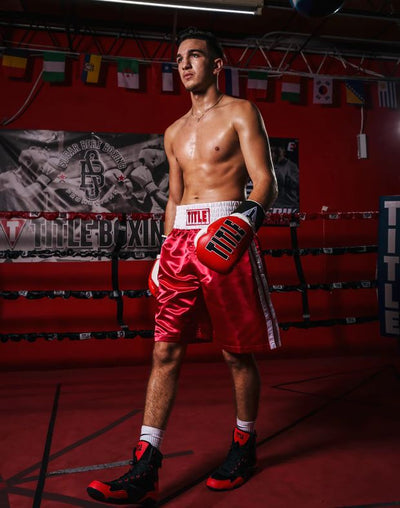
{"type": "Point", "coordinates": [322, 91]}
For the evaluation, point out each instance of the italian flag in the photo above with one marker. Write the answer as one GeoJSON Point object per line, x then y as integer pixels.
{"type": "Point", "coordinates": [257, 82]}
{"type": "Point", "coordinates": [53, 67]}
{"type": "Point", "coordinates": [291, 89]}
{"type": "Point", "coordinates": [128, 73]}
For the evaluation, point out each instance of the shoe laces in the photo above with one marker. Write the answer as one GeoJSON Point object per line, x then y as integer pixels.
{"type": "Point", "coordinates": [138, 469]}
{"type": "Point", "coordinates": [235, 458]}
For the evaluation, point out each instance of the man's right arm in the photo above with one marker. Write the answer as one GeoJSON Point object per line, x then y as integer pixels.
{"type": "Point", "coordinates": [174, 199]}
{"type": "Point", "coordinates": [175, 182]}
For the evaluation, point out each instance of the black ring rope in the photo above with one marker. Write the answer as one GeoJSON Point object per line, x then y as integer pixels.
{"type": "Point", "coordinates": [299, 271]}
{"type": "Point", "coordinates": [314, 251]}
{"type": "Point", "coordinates": [82, 295]}
{"type": "Point", "coordinates": [59, 336]}
{"type": "Point", "coordinates": [139, 293]}
{"type": "Point", "coordinates": [148, 334]}
{"type": "Point", "coordinates": [119, 242]}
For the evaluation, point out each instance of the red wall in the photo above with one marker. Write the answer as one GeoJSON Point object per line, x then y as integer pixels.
{"type": "Point", "coordinates": [330, 175]}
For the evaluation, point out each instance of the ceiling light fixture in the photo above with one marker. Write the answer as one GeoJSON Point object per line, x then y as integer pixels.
{"type": "Point", "coordinates": [226, 6]}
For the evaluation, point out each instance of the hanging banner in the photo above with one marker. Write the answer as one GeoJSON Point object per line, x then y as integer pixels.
{"type": "Point", "coordinates": [389, 266]}
{"type": "Point", "coordinates": [285, 158]}
{"type": "Point", "coordinates": [81, 172]}
{"type": "Point", "coordinates": [98, 173]}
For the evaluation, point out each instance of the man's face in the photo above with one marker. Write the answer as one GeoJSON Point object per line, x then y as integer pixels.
{"type": "Point", "coordinates": [197, 68]}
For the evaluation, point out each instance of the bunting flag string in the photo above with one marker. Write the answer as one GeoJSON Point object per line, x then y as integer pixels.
{"type": "Point", "coordinates": [54, 70]}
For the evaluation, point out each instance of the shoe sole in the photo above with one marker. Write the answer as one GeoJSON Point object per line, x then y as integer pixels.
{"type": "Point", "coordinates": [245, 479]}
{"type": "Point", "coordinates": [99, 496]}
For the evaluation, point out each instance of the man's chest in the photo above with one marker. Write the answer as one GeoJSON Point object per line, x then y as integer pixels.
{"type": "Point", "coordinates": [205, 142]}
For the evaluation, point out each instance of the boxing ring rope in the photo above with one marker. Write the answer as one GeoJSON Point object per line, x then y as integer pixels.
{"type": "Point", "coordinates": [116, 294]}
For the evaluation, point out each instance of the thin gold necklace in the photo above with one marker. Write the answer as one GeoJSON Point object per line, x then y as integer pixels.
{"type": "Point", "coordinates": [198, 118]}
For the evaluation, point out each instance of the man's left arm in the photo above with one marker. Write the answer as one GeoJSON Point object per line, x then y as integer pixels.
{"type": "Point", "coordinates": [221, 245]}
{"type": "Point", "coordinates": [254, 144]}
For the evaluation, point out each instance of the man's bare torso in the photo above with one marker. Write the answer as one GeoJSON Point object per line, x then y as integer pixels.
{"type": "Point", "coordinates": [209, 155]}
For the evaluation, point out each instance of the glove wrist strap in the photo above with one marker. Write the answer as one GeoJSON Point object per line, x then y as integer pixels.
{"type": "Point", "coordinates": [253, 211]}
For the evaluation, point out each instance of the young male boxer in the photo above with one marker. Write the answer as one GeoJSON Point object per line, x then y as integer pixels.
{"type": "Point", "coordinates": [209, 278]}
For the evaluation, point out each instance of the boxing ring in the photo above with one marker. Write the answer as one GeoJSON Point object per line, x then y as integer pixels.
{"type": "Point", "coordinates": [321, 419]}
{"type": "Point", "coordinates": [290, 221]}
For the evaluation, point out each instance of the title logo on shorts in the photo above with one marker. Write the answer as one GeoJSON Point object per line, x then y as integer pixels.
{"type": "Point", "coordinates": [199, 217]}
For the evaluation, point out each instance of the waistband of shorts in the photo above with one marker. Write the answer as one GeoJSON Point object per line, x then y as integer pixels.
{"type": "Point", "coordinates": [199, 215]}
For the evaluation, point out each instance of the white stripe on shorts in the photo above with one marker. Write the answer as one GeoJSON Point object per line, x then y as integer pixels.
{"type": "Point", "coordinates": [265, 298]}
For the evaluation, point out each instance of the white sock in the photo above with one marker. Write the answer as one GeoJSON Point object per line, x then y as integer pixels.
{"type": "Point", "coordinates": [152, 435]}
{"type": "Point", "coordinates": [245, 426]}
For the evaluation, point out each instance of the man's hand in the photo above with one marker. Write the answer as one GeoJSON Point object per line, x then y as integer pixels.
{"type": "Point", "coordinates": [153, 277]}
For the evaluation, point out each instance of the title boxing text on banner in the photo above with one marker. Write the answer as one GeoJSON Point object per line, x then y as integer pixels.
{"type": "Point", "coordinates": [389, 266]}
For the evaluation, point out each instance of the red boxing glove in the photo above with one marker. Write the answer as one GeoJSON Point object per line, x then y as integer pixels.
{"type": "Point", "coordinates": [222, 244]}
{"type": "Point", "coordinates": [153, 277]}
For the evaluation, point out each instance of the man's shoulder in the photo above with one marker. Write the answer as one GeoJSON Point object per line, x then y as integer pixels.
{"type": "Point", "coordinates": [241, 111]}
{"type": "Point", "coordinates": [240, 106]}
{"type": "Point", "coordinates": [237, 102]}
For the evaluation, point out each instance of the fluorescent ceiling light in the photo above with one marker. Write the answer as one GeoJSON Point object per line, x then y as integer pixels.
{"type": "Point", "coordinates": [228, 6]}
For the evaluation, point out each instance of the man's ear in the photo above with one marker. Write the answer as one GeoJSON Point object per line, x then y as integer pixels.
{"type": "Point", "coordinates": [218, 65]}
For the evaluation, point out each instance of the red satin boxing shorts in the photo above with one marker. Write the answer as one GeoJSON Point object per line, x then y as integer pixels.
{"type": "Point", "coordinates": [196, 303]}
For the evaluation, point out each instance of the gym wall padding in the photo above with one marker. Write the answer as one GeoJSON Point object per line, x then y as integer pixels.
{"type": "Point", "coordinates": [331, 175]}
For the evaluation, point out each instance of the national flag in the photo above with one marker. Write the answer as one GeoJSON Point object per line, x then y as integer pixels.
{"type": "Point", "coordinates": [355, 92]}
{"type": "Point", "coordinates": [232, 82]}
{"type": "Point", "coordinates": [15, 62]}
{"type": "Point", "coordinates": [291, 89]}
{"type": "Point", "coordinates": [91, 68]}
{"type": "Point", "coordinates": [167, 78]}
{"type": "Point", "coordinates": [128, 73]}
{"type": "Point", "coordinates": [323, 88]}
{"type": "Point", "coordinates": [257, 83]}
{"type": "Point", "coordinates": [53, 67]}
{"type": "Point", "coordinates": [387, 94]}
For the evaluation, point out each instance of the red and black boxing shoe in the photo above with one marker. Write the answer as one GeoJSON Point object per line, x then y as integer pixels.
{"type": "Point", "coordinates": [239, 464]}
{"type": "Point", "coordinates": [139, 486]}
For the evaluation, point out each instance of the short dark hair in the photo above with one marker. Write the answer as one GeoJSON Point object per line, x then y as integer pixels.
{"type": "Point", "coordinates": [195, 33]}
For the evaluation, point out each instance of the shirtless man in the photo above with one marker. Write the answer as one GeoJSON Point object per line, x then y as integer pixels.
{"type": "Point", "coordinates": [212, 151]}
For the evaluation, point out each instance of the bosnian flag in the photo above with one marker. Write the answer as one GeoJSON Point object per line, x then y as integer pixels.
{"type": "Point", "coordinates": [232, 82]}
{"type": "Point", "coordinates": [128, 73]}
{"type": "Point", "coordinates": [355, 92]}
